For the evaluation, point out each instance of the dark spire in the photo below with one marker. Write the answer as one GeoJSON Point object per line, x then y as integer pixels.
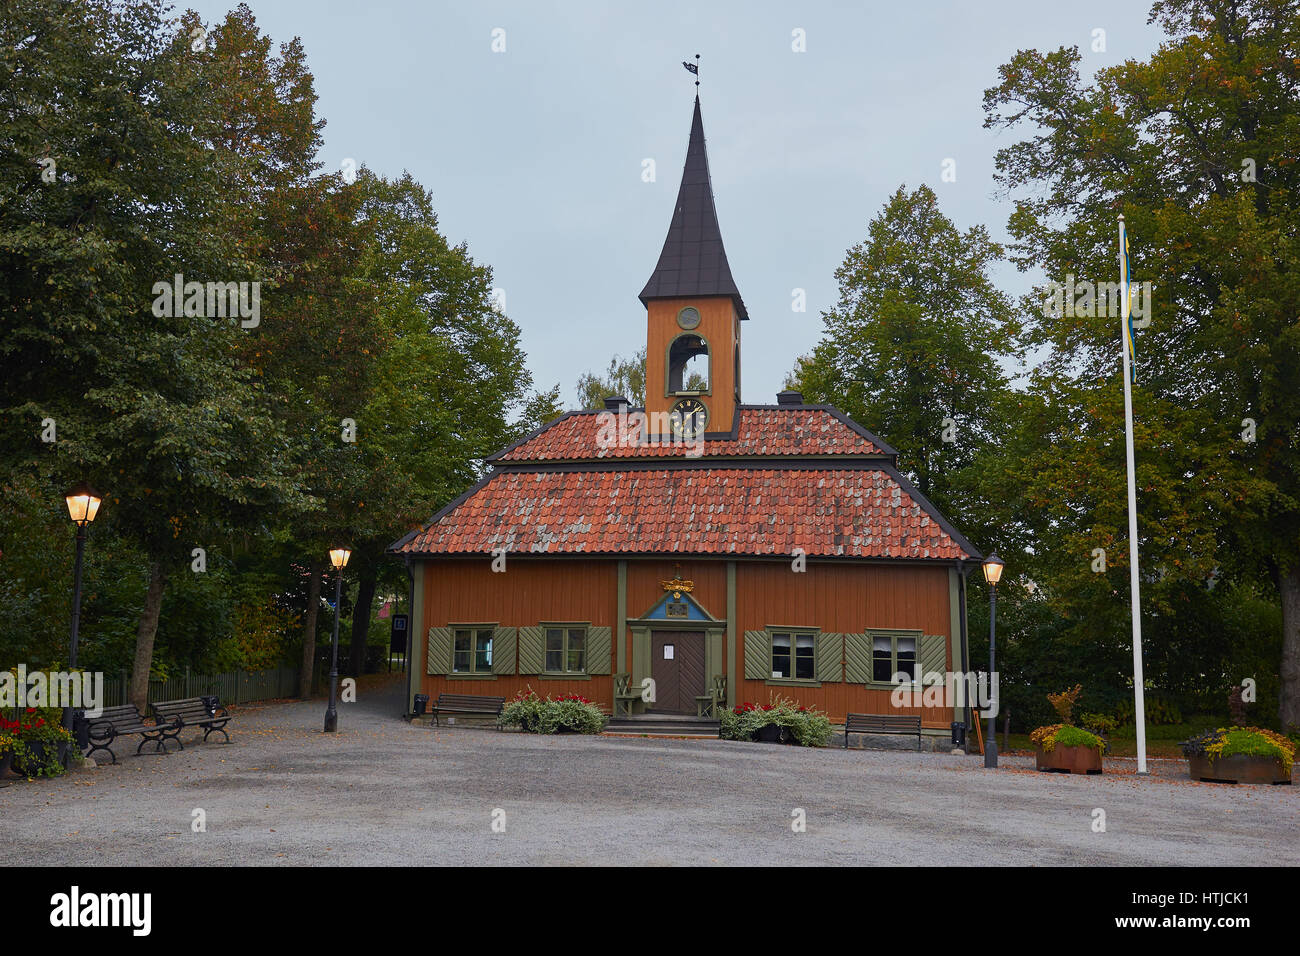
{"type": "Point", "coordinates": [693, 262]}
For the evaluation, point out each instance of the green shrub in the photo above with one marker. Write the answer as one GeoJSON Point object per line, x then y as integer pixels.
{"type": "Point", "coordinates": [546, 715]}
{"type": "Point", "coordinates": [1065, 735]}
{"type": "Point", "coordinates": [1098, 723]}
{"type": "Point", "coordinates": [808, 727]}
{"type": "Point", "coordinates": [1159, 711]}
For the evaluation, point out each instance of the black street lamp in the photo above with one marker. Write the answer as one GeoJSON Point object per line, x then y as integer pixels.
{"type": "Point", "coordinates": [992, 574]}
{"type": "Point", "coordinates": [83, 504]}
{"type": "Point", "coordinates": [338, 558]}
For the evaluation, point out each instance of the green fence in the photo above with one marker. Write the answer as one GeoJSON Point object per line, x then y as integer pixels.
{"type": "Point", "coordinates": [235, 687]}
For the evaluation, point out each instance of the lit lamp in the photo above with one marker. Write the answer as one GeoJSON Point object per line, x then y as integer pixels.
{"type": "Point", "coordinates": [339, 559]}
{"type": "Point", "coordinates": [83, 504]}
{"type": "Point", "coordinates": [992, 574]}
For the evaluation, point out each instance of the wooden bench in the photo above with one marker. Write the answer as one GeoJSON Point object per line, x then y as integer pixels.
{"type": "Point", "coordinates": [468, 704]}
{"type": "Point", "coordinates": [205, 712]}
{"type": "Point", "coordinates": [877, 724]}
{"type": "Point", "coordinates": [122, 721]}
{"type": "Point", "coordinates": [706, 705]}
{"type": "Point", "coordinates": [624, 695]}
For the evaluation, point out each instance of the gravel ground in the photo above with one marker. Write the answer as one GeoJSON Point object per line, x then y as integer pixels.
{"type": "Point", "coordinates": [382, 791]}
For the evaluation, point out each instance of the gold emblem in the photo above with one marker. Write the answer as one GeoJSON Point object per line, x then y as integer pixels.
{"type": "Point", "coordinates": [677, 585]}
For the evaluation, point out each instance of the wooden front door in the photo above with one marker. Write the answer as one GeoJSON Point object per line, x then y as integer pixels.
{"type": "Point", "coordinates": [677, 667]}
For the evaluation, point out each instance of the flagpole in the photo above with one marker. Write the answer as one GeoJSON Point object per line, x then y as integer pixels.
{"type": "Point", "coordinates": [1139, 698]}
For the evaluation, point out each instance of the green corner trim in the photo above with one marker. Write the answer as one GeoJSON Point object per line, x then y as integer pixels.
{"type": "Point", "coordinates": [620, 628]}
{"type": "Point", "coordinates": [732, 677]}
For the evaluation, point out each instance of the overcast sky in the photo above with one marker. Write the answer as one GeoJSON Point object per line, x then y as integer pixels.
{"type": "Point", "coordinates": [535, 154]}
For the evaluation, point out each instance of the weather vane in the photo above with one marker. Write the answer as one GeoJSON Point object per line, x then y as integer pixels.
{"type": "Point", "coordinates": [693, 68]}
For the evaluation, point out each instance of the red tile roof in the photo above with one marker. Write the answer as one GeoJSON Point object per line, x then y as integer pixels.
{"type": "Point", "coordinates": [861, 512]}
{"type": "Point", "coordinates": [800, 431]}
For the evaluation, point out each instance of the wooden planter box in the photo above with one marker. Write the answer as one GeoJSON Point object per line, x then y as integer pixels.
{"type": "Point", "coordinates": [1237, 768]}
{"type": "Point", "coordinates": [1069, 759]}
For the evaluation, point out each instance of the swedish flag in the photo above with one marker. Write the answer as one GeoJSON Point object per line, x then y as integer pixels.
{"type": "Point", "coordinates": [1126, 283]}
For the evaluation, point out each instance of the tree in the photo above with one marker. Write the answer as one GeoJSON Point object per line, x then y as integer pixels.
{"type": "Point", "coordinates": [150, 399]}
{"type": "Point", "coordinates": [540, 409]}
{"type": "Point", "coordinates": [624, 377]}
{"type": "Point", "coordinates": [448, 381]}
{"type": "Point", "coordinates": [175, 148]}
{"type": "Point", "coordinates": [911, 348]}
{"type": "Point", "coordinates": [1196, 147]}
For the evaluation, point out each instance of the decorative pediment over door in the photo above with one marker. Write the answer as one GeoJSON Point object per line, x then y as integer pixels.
{"type": "Point", "coordinates": [678, 606]}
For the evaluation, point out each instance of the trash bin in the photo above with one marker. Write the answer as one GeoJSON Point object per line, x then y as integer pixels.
{"type": "Point", "coordinates": [421, 704]}
{"type": "Point", "coordinates": [958, 734]}
{"type": "Point", "coordinates": [81, 729]}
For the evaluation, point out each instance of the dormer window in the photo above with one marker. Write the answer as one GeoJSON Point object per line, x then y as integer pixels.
{"type": "Point", "coordinates": [688, 365]}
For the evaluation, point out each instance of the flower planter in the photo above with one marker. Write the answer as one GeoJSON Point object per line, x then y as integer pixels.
{"type": "Point", "coordinates": [39, 750]}
{"type": "Point", "coordinates": [772, 734]}
{"type": "Point", "coordinates": [6, 759]}
{"type": "Point", "coordinates": [1237, 768]}
{"type": "Point", "coordinates": [1069, 759]}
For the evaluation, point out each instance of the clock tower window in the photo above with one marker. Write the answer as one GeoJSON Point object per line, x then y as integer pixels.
{"type": "Point", "coordinates": [688, 365]}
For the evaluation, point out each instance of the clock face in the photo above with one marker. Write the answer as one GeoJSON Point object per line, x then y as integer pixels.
{"type": "Point", "coordinates": [688, 418]}
{"type": "Point", "coordinates": [688, 318]}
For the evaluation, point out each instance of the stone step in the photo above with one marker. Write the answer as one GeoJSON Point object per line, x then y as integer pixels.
{"type": "Point", "coordinates": [659, 732]}
{"type": "Point", "coordinates": [663, 725]}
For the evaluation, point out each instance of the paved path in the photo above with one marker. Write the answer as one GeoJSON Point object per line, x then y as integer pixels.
{"type": "Point", "coordinates": [384, 792]}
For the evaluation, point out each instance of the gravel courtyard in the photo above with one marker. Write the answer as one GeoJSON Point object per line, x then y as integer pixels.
{"type": "Point", "coordinates": [385, 792]}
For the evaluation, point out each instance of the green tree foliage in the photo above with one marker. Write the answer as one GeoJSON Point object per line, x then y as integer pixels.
{"type": "Point", "coordinates": [541, 408]}
{"type": "Point", "coordinates": [1197, 148]}
{"type": "Point", "coordinates": [447, 384]}
{"type": "Point", "coordinates": [911, 349]}
{"type": "Point", "coordinates": [180, 148]}
{"type": "Point", "coordinates": [149, 398]}
{"type": "Point", "coordinates": [624, 377]}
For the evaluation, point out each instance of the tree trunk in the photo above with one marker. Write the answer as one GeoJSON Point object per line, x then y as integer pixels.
{"type": "Point", "coordinates": [144, 637]}
{"type": "Point", "coordinates": [361, 618]}
{"type": "Point", "coordinates": [309, 631]}
{"type": "Point", "coordinates": [1288, 710]}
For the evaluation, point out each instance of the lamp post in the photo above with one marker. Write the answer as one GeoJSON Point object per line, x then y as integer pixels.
{"type": "Point", "coordinates": [338, 558]}
{"type": "Point", "coordinates": [992, 574]}
{"type": "Point", "coordinates": [83, 504]}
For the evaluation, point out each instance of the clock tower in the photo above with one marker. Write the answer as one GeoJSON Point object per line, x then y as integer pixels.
{"type": "Point", "coordinates": [693, 313]}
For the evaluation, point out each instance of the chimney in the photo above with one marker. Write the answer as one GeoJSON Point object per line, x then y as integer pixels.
{"type": "Point", "coordinates": [615, 402]}
{"type": "Point", "coordinates": [789, 397]}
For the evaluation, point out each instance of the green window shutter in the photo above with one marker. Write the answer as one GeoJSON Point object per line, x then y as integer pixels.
{"type": "Point", "coordinates": [934, 654]}
{"type": "Point", "coordinates": [599, 647]}
{"type": "Point", "coordinates": [532, 649]}
{"type": "Point", "coordinates": [758, 655]}
{"type": "Point", "coordinates": [438, 653]}
{"type": "Point", "coordinates": [503, 650]}
{"type": "Point", "coordinates": [857, 658]}
{"type": "Point", "coordinates": [830, 654]}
